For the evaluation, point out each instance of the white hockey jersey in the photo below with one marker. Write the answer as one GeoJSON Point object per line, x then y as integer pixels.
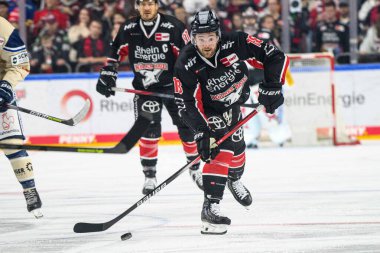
{"type": "Point", "coordinates": [14, 60]}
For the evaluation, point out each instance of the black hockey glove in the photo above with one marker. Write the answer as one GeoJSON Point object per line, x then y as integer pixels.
{"type": "Point", "coordinates": [6, 95]}
{"type": "Point", "coordinates": [270, 97]}
{"type": "Point", "coordinates": [206, 145]}
{"type": "Point", "coordinates": [106, 81]}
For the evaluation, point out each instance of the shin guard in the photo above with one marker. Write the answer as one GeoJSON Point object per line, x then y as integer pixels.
{"type": "Point", "coordinates": [237, 165]}
{"type": "Point", "coordinates": [148, 151]}
{"type": "Point", "coordinates": [215, 175]}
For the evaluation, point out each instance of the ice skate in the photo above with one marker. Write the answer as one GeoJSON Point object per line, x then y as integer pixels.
{"type": "Point", "coordinates": [150, 180]}
{"type": "Point", "coordinates": [240, 192]}
{"type": "Point", "coordinates": [213, 222]}
{"type": "Point", "coordinates": [196, 175]}
{"type": "Point", "coordinates": [149, 185]}
{"type": "Point", "coordinates": [33, 202]}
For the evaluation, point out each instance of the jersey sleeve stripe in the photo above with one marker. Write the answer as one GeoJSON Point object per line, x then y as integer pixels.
{"type": "Point", "coordinates": [255, 63]}
{"type": "Point", "coordinates": [14, 49]}
{"type": "Point", "coordinates": [199, 103]}
{"type": "Point", "coordinates": [284, 69]}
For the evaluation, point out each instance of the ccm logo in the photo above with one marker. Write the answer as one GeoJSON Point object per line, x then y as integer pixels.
{"type": "Point", "coordinates": [269, 93]}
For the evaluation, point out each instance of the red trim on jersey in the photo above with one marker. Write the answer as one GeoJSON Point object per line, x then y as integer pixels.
{"type": "Point", "coordinates": [175, 50]}
{"type": "Point", "coordinates": [190, 148]}
{"type": "Point", "coordinates": [255, 63]}
{"type": "Point", "coordinates": [284, 69]}
{"type": "Point", "coordinates": [238, 161]}
{"type": "Point", "coordinates": [148, 148]}
{"type": "Point", "coordinates": [219, 166]}
{"type": "Point", "coordinates": [123, 52]}
{"type": "Point", "coordinates": [199, 102]}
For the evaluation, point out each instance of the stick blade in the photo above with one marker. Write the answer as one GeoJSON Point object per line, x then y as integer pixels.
{"type": "Point", "coordinates": [83, 227]}
{"type": "Point", "coordinates": [82, 113]}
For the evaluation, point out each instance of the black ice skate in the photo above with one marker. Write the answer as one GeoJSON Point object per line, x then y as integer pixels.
{"type": "Point", "coordinates": [33, 202]}
{"type": "Point", "coordinates": [196, 175]}
{"type": "Point", "coordinates": [213, 222]}
{"type": "Point", "coordinates": [240, 192]}
{"type": "Point", "coordinates": [150, 181]}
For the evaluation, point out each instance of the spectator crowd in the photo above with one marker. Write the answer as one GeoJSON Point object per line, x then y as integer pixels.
{"type": "Point", "coordinates": [74, 35]}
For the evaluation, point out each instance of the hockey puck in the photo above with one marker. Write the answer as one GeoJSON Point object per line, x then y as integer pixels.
{"type": "Point", "coordinates": [126, 236]}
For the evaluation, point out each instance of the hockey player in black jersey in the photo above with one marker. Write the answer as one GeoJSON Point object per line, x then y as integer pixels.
{"type": "Point", "coordinates": [210, 82]}
{"type": "Point", "coordinates": [152, 42]}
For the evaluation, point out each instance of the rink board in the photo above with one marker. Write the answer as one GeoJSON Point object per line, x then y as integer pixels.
{"type": "Point", "coordinates": [109, 119]}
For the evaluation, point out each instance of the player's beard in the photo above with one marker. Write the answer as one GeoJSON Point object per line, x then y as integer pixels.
{"type": "Point", "coordinates": [148, 17]}
{"type": "Point", "coordinates": [208, 52]}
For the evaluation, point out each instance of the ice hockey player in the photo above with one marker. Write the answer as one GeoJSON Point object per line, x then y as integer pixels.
{"type": "Point", "coordinates": [152, 42]}
{"type": "Point", "coordinates": [210, 82]}
{"type": "Point", "coordinates": [14, 67]}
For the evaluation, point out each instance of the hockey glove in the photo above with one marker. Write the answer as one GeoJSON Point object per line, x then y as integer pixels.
{"type": "Point", "coordinates": [7, 95]}
{"type": "Point", "coordinates": [106, 81]}
{"type": "Point", "coordinates": [206, 145]}
{"type": "Point", "coordinates": [270, 97]}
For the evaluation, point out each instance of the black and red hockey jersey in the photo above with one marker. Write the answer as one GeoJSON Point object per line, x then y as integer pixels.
{"type": "Point", "coordinates": [216, 84]}
{"type": "Point", "coordinates": [151, 54]}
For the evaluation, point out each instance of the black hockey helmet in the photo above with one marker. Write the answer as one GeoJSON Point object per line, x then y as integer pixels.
{"type": "Point", "coordinates": [204, 22]}
{"type": "Point", "coordinates": [140, 1]}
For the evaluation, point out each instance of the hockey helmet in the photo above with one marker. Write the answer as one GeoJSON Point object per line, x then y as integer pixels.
{"type": "Point", "coordinates": [140, 1]}
{"type": "Point", "coordinates": [204, 22]}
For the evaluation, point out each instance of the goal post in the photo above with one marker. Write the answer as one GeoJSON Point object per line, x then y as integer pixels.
{"type": "Point", "coordinates": [313, 109]}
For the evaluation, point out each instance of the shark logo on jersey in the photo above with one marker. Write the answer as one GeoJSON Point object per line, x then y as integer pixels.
{"type": "Point", "coordinates": [150, 77]}
{"type": "Point", "coordinates": [232, 94]}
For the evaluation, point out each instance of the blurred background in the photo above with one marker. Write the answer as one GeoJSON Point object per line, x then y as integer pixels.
{"type": "Point", "coordinates": [73, 36]}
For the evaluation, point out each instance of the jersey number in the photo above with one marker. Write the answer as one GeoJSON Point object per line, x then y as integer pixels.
{"type": "Point", "coordinates": [177, 86]}
{"type": "Point", "coordinates": [255, 41]}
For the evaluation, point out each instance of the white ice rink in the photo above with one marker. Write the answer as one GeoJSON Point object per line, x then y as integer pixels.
{"type": "Point", "coordinates": [324, 199]}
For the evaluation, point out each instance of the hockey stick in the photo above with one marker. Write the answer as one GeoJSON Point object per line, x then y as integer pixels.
{"type": "Point", "coordinates": [83, 227]}
{"type": "Point", "coordinates": [143, 92]}
{"type": "Point", "coordinates": [161, 95]}
{"type": "Point", "coordinates": [126, 144]}
{"type": "Point", "coordinates": [249, 105]}
{"type": "Point", "coordinates": [70, 122]}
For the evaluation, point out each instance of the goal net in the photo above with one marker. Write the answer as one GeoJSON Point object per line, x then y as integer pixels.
{"type": "Point", "coordinates": [313, 109]}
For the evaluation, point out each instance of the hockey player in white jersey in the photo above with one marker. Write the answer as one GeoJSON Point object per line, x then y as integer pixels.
{"type": "Point", "coordinates": [14, 67]}
{"type": "Point", "coordinates": [275, 124]}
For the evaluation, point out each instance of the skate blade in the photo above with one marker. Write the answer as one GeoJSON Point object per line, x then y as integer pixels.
{"type": "Point", "coordinates": [37, 213]}
{"type": "Point", "coordinates": [213, 229]}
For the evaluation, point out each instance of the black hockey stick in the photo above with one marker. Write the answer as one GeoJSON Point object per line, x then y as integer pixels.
{"type": "Point", "coordinates": [249, 105]}
{"type": "Point", "coordinates": [161, 95]}
{"type": "Point", "coordinates": [70, 122]}
{"type": "Point", "coordinates": [143, 92]}
{"type": "Point", "coordinates": [126, 144]}
{"type": "Point", "coordinates": [83, 227]}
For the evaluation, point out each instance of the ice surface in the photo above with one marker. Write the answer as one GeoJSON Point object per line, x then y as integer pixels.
{"type": "Point", "coordinates": [321, 199]}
